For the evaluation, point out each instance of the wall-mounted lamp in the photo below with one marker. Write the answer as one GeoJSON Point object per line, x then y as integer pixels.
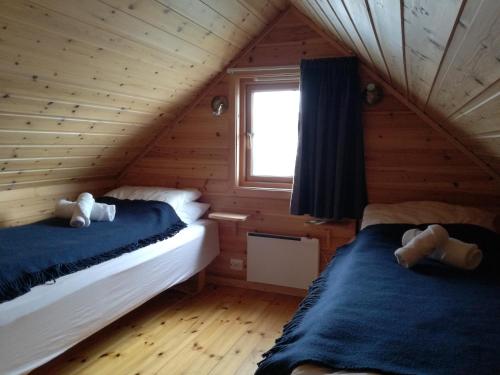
{"type": "Point", "coordinates": [219, 105]}
{"type": "Point", "coordinates": [372, 94]}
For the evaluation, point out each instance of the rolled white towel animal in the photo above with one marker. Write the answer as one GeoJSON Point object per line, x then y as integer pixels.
{"type": "Point", "coordinates": [103, 212]}
{"type": "Point", "coordinates": [454, 252]}
{"type": "Point", "coordinates": [100, 211]}
{"type": "Point", "coordinates": [421, 245]}
{"type": "Point", "coordinates": [81, 213]}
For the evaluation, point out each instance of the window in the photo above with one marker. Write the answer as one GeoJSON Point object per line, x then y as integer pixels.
{"type": "Point", "coordinates": [268, 133]}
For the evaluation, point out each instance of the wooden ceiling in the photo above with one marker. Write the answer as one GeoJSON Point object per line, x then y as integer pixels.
{"type": "Point", "coordinates": [86, 85]}
{"type": "Point", "coordinates": [443, 56]}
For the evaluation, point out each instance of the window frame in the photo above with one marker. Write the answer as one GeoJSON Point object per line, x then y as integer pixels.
{"type": "Point", "coordinates": [247, 86]}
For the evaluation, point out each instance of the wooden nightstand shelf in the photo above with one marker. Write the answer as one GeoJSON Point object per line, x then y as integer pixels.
{"type": "Point", "coordinates": [229, 216]}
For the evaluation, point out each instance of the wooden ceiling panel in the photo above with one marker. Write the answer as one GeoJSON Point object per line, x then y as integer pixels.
{"type": "Point", "coordinates": [238, 14]}
{"type": "Point", "coordinates": [480, 115]}
{"type": "Point", "coordinates": [259, 7]}
{"type": "Point", "coordinates": [128, 25]}
{"type": "Point", "coordinates": [22, 83]}
{"type": "Point", "coordinates": [40, 106]}
{"type": "Point", "coordinates": [21, 152]}
{"type": "Point", "coordinates": [87, 84]}
{"type": "Point", "coordinates": [70, 61]}
{"type": "Point", "coordinates": [198, 12]}
{"type": "Point", "coordinates": [338, 12]}
{"type": "Point", "coordinates": [471, 63]}
{"type": "Point", "coordinates": [48, 16]}
{"type": "Point", "coordinates": [167, 20]}
{"type": "Point", "coordinates": [330, 25]}
{"type": "Point", "coordinates": [386, 17]}
{"type": "Point", "coordinates": [427, 27]}
{"type": "Point", "coordinates": [26, 122]}
{"type": "Point", "coordinates": [360, 16]}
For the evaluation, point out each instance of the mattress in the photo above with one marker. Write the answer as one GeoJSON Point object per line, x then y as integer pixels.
{"type": "Point", "coordinates": [51, 318]}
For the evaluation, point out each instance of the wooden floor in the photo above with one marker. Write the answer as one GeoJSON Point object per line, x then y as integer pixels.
{"type": "Point", "coordinates": [222, 330]}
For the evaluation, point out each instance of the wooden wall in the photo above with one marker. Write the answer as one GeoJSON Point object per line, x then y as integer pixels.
{"type": "Point", "coordinates": [405, 158]}
{"type": "Point", "coordinates": [85, 85]}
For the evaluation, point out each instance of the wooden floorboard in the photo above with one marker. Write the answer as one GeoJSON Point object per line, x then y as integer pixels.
{"type": "Point", "coordinates": [222, 330]}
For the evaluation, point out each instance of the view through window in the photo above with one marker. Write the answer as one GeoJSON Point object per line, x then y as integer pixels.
{"type": "Point", "coordinates": [269, 129]}
{"type": "Point", "coordinates": [274, 132]}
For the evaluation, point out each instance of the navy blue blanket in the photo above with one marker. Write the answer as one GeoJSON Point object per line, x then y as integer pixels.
{"type": "Point", "coordinates": [365, 312]}
{"type": "Point", "coordinates": [33, 254]}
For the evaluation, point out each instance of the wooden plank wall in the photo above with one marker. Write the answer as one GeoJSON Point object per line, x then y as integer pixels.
{"type": "Point", "coordinates": [406, 159]}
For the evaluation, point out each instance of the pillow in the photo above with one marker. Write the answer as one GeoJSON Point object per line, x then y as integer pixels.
{"type": "Point", "coordinates": [175, 197]}
{"type": "Point", "coordinates": [426, 212]}
{"type": "Point", "coordinates": [192, 211]}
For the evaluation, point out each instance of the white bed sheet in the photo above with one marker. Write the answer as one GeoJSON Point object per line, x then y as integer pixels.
{"type": "Point", "coordinates": [51, 318]}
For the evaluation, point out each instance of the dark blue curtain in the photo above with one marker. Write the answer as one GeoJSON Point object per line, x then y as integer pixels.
{"type": "Point", "coordinates": [329, 177]}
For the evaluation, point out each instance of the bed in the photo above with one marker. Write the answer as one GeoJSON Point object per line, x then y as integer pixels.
{"type": "Point", "coordinates": [368, 315]}
{"type": "Point", "coordinates": [52, 317]}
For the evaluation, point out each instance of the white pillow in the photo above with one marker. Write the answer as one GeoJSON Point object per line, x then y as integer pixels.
{"type": "Point", "coordinates": [175, 197]}
{"type": "Point", "coordinates": [192, 211]}
{"type": "Point", "coordinates": [426, 212]}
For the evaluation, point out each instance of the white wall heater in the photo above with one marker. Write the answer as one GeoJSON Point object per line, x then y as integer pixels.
{"type": "Point", "coordinates": [282, 260]}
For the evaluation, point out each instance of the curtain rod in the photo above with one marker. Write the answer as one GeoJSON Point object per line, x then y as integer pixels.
{"type": "Point", "coordinates": [262, 69]}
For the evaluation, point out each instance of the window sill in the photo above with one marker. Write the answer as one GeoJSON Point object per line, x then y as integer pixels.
{"type": "Point", "coordinates": [264, 192]}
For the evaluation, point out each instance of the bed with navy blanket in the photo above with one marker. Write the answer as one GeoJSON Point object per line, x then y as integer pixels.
{"type": "Point", "coordinates": [34, 254]}
{"type": "Point", "coordinates": [367, 313]}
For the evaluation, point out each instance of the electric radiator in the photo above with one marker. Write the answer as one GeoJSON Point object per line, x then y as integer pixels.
{"type": "Point", "coordinates": [282, 260]}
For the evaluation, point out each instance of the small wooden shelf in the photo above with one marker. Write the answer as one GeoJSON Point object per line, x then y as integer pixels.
{"type": "Point", "coordinates": [320, 223]}
{"type": "Point", "coordinates": [227, 216]}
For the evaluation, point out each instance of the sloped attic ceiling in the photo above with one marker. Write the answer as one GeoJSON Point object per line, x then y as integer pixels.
{"type": "Point", "coordinates": [86, 85]}
{"type": "Point", "coordinates": [443, 56]}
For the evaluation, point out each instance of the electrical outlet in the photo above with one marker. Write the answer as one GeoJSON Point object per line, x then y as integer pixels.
{"type": "Point", "coordinates": [236, 264]}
